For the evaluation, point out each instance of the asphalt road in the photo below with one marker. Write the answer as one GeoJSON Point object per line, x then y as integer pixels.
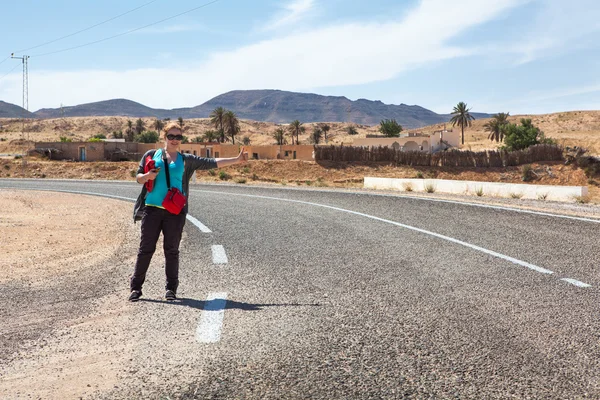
{"type": "Point", "coordinates": [322, 294]}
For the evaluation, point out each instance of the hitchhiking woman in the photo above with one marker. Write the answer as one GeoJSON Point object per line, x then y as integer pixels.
{"type": "Point", "coordinates": [163, 208]}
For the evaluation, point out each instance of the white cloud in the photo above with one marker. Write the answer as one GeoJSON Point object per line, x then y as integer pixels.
{"type": "Point", "coordinates": [557, 28]}
{"type": "Point", "coordinates": [347, 54]}
{"type": "Point", "coordinates": [292, 13]}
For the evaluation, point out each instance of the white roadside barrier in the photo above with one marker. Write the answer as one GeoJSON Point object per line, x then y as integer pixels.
{"type": "Point", "coordinates": [485, 189]}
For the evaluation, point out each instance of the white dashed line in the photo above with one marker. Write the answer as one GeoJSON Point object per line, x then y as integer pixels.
{"type": "Point", "coordinates": [576, 282]}
{"type": "Point", "coordinates": [218, 254]}
{"type": "Point", "coordinates": [211, 322]}
{"type": "Point", "coordinates": [199, 224]}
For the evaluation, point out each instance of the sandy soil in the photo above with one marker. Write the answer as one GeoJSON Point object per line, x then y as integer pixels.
{"type": "Point", "coordinates": [54, 336]}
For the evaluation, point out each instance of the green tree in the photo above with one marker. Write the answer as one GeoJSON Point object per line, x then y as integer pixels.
{"type": "Point", "coordinates": [217, 119]}
{"type": "Point", "coordinates": [351, 130]}
{"type": "Point", "coordinates": [139, 126]}
{"type": "Point", "coordinates": [279, 136]}
{"type": "Point", "coordinates": [495, 126]}
{"type": "Point", "coordinates": [158, 125]}
{"type": "Point", "coordinates": [461, 117]}
{"type": "Point", "coordinates": [316, 135]}
{"type": "Point", "coordinates": [246, 141]}
{"type": "Point", "coordinates": [519, 137]}
{"type": "Point", "coordinates": [148, 137]}
{"type": "Point", "coordinates": [231, 125]}
{"type": "Point", "coordinates": [211, 136]}
{"type": "Point", "coordinates": [181, 123]}
{"type": "Point", "coordinates": [296, 128]}
{"type": "Point", "coordinates": [390, 128]}
{"type": "Point", "coordinates": [325, 128]}
{"type": "Point", "coordinates": [129, 132]}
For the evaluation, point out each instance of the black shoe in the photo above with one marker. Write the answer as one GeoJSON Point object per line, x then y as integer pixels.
{"type": "Point", "coordinates": [170, 295]}
{"type": "Point", "coordinates": [135, 295]}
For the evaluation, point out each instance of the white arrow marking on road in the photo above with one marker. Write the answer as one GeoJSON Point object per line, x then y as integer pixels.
{"type": "Point", "coordinates": [209, 328]}
{"type": "Point", "coordinates": [576, 282]}
{"type": "Point", "coordinates": [218, 254]}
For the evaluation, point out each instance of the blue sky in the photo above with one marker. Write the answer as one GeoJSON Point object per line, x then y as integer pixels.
{"type": "Point", "coordinates": [535, 56]}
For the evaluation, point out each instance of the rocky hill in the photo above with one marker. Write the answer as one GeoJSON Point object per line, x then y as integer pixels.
{"type": "Point", "coordinates": [8, 110]}
{"type": "Point", "coordinates": [269, 106]}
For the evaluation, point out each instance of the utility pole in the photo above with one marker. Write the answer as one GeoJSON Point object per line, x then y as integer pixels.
{"type": "Point", "coordinates": [25, 99]}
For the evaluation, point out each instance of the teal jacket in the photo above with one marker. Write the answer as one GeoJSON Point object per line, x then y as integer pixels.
{"type": "Point", "coordinates": [191, 163]}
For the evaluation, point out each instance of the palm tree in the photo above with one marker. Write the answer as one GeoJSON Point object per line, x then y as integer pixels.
{"type": "Point", "coordinates": [495, 126]}
{"type": "Point", "coordinates": [461, 117]}
{"type": "Point", "coordinates": [316, 134]}
{"type": "Point", "coordinates": [180, 122]}
{"type": "Point", "coordinates": [279, 135]}
{"type": "Point", "coordinates": [158, 125]}
{"type": "Point", "coordinates": [295, 129]}
{"type": "Point", "coordinates": [216, 118]}
{"type": "Point", "coordinates": [139, 126]}
{"type": "Point", "coordinates": [232, 125]}
{"type": "Point", "coordinates": [325, 128]}
{"type": "Point", "coordinates": [129, 130]}
{"type": "Point", "coordinates": [211, 136]}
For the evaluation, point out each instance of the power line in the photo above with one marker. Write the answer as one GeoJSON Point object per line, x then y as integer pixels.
{"type": "Point", "coordinates": [125, 33]}
{"type": "Point", "coordinates": [4, 59]}
{"type": "Point", "coordinates": [86, 29]}
{"type": "Point", "coordinates": [3, 76]}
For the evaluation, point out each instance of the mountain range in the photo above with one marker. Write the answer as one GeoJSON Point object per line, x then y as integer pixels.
{"type": "Point", "coordinates": [259, 105]}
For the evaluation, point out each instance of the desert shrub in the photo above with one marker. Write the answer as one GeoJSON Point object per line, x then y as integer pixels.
{"type": "Point", "coordinates": [390, 128]}
{"type": "Point", "coordinates": [516, 195]}
{"type": "Point", "coordinates": [308, 183]}
{"type": "Point", "coordinates": [224, 176]}
{"type": "Point", "coordinates": [430, 188]}
{"type": "Point", "coordinates": [320, 182]}
{"type": "Point", "coordinates": [582, 199]}
{"type": "Point", "coordinates": [240, 180]}
{"type": "Point", "coordinates": [65, 139]}
{"type": "Point", "coordinates": [519, 137]}
{"type": "Point", "coordinates": [542, 196]}
{"type": "Point", "coordinates": [407, 186]}
{"type": "Point", "coordinates": [133, 173]}
{"type": "Point", "coordinates": [245, 170]}
{"type": "Point", "coordinates": [527, 173]}
{"type": "Point", "coordinates": [479, 191]}
{"type": "Point", "coordinates": [419, 175]}
{"type": "Point", "coordinates": [147, 137]}
{"type": "Point", "coordinates": [351, 130]}
{"type": "Point", "coordinates": [254, 177]}
{"type": "Point", "coordinates": [212, 172]}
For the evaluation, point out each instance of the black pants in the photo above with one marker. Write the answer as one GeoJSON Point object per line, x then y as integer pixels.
{"type": "Point", "coordinates": [154, 221]}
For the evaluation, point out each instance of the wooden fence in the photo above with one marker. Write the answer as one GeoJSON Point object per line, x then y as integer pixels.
{"type": "Point", "coordinates": [452, 158]}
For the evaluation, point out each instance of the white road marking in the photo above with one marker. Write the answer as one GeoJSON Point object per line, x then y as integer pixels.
{"type": "Point", "coordinates": [203, 228]}
{"type": "Point", "coordinates": [211, 321]}
{"type": "Point", "coordinates": [437, 235]}
{"type": "Point", "coordinates": [199, 224]}
{"type": "Point", "coordinates": [218, 254]}
{"type": "Point", "coordinates": [576, 282]}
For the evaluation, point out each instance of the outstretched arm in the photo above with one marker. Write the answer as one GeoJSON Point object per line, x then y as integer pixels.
{"type": "Point", "coordinates": [224, 162]}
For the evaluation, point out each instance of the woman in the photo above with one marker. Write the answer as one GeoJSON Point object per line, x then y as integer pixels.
{"type": "Point", "coordinates": [155, 218]}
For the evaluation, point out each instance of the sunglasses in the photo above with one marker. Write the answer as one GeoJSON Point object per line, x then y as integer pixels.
{"type": "Point", "coordinates": [174, 137]}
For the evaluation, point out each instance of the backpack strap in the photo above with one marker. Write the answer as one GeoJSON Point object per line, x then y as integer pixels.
{"type": "Point", "coordinates": [166, 162]}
